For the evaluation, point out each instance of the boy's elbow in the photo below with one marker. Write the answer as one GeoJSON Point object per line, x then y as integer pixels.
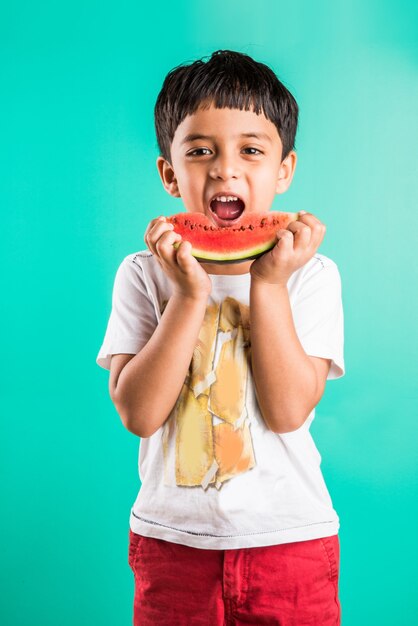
{"type": "Point", "coordinates": [134, 427]}
{"type": "Point", "coordinates": [144, 429]}
{"type": "Point", "coordinates": [126, 418]}
{"type": "Point", "coordinates": [282, 429]}
{"type": "Point", "coordinates": [282, 424]}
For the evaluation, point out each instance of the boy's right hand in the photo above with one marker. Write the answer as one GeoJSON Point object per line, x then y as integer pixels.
{"type": "Point", "coordinates": [185, 272]}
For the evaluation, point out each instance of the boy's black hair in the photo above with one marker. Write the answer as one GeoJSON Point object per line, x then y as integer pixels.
{"type": "Point", "coordinates": [228, 80]}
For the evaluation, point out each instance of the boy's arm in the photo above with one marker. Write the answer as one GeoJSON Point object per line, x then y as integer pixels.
{"type": "Point", "coordinates": [148, 386]}
{"type": "Point", "coordinates": [288, 383]}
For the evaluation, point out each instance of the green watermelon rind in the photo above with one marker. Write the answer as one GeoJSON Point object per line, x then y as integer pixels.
{"type": "Point", "coordinates": [242, 256]}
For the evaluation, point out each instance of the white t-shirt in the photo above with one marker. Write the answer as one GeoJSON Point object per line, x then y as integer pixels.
{"type": "Point", "coordinates": [214, 475]}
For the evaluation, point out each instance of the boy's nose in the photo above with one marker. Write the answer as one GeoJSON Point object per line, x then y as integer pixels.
{"type": "Point", "coordinates": [225, 168]}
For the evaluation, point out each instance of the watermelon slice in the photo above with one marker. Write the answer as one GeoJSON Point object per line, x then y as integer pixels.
{"type": "Point", "coordinates": [250, 237]}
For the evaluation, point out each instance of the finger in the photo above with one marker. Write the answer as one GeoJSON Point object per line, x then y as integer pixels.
{"type": "Point", "coordinates": [308, 218]}
{"type": "Point", "coordinates": [302, 214]}
{"type": "Point", "coordinates": [159, 228]}
{"type": "Point", "coordinates": [318, 232]}
{"type": "Point", "coordinates": [302, 234]}
{"type": "Point", "coordinates": [317, 227]}
{"type": "Point", "coordinates": [151, 225]}
{"type": "Point", "coordinates": [185, 259]}
{"type": "Point", "coordinates": [285, 240]}
{"type": "Point", "coordinates": [164, 246]}
{"type": "Point", "coordinates": [155, 226]}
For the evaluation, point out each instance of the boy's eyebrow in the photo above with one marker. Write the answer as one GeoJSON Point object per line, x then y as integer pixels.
{"type": "Point", "coordinates": [194, 136]}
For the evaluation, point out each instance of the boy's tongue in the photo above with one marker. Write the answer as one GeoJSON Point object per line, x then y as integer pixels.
{"type": "Point", "coordinates": [227, 210]}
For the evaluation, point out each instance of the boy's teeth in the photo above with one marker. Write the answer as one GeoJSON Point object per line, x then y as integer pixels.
{"type": "Point", "coordinates": [226, 198]}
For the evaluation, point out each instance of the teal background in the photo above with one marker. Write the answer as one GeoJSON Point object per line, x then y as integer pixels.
{"type": "Point", "coordinates": [79, 185]}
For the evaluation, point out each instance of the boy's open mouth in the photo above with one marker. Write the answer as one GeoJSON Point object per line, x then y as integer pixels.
{"type": "Point", "coordinates": [226, 210]}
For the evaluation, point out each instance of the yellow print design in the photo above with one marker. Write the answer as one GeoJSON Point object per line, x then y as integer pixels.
{"type": "Point", "coordinates": [207, 437]}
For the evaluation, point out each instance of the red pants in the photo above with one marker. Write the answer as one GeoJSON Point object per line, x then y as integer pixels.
{"type": "Point", "coordinates": [290, 584]}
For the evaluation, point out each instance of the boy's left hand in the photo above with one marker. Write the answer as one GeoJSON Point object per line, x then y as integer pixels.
{"type": "Point", "coordinates": [296, 246]}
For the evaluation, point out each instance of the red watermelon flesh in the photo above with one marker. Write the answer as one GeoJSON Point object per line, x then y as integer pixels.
{"type": "Point", "coordinates": [250, 237]}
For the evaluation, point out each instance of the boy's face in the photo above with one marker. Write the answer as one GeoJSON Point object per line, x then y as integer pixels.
{"type": "Point", "coordinates": [226, 163]}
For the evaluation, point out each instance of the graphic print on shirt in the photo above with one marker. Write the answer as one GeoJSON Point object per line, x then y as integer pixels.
{"type": "Point", "coordinates": [207, 438]}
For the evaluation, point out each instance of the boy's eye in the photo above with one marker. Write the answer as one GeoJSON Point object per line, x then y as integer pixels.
{"type": "Point", "coordinates": [256, 149]}
{"type": "Point", "coordinates": [197, 150]}
{"type": "Point", "coordinates": [194, 152]}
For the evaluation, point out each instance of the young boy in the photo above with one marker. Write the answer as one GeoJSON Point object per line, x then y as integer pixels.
{"type": "Point", "coordinates": [218, 369]}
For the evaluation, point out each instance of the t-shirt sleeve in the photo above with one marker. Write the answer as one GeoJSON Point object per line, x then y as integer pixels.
{"type": "Point", "coordinates": [132, 319]}
{"type": "Point", "coordinates": [318, 316]}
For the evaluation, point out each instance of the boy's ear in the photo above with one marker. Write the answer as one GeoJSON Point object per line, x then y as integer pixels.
{"type": "Point", "coordinates": [168, 177]}
{"type": "Point", "coordinates": [286, 172]}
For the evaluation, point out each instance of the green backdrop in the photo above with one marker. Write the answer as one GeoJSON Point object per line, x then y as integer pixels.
{"type": "Point", "coordinates": [79, 185]}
